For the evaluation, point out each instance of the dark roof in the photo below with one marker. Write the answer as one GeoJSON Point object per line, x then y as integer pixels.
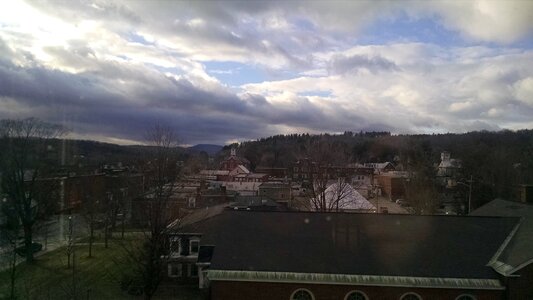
{"type": "Point", "coordinates": [274, 185]}
{"type": "Point", "coordinates": [198, 215]}
{"type": "Point", "coordinates": [205, 253]}
{"type": "Point", "coordinates": [246, 201]}
{"type": "Point", "coordinates": [256, 203]}
{"type": "Point", "coordinates": [359, 244]}
{"type": "Point", "coordinates": [518, 253]}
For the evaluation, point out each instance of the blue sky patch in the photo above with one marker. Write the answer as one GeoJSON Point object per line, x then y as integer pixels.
{"type": "Point", "coordinates": [317, 93]}
{"type": "Point", "coordinates": [236, 74]}
{"type": "Point", "coordinates": [406, 29]}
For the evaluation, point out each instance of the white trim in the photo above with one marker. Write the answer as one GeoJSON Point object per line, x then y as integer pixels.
{"type": "Point", "coordinates": [505, 243]}
{"type": "Point", "coordinates": [191, 240]}
{"type": "Point", "coordinates": [508, 270]}
{"type": "Point", "coordinates": [521, 266]}
{"type": "Point", "coordinates": [349, 279]}
{"type": "Point", "coordinates": [467, 295]}
{"type": "Point", "coordinates": [411, 293]}
{"type": "Point", "coordinates": [356, 291]}
{"type": "Point", "coordinates": [302, 289]}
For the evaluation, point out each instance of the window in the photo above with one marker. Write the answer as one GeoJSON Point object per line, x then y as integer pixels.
{"type": "Point", "coordinates": [174, 270]}
{"type": "Point", "coordinates": [410, 296]}
{"type": "Point", "coordinates": [465, 297]}
{"type": "Point", "coordinates": [191, 202]}
{"type": "Point", "coordinates": [175, 246]}
{"type": "Point", "coordinates": [356, 295]}
{"type": "Point", "coordinates": [193, 270]}
{"type": "Point", "coordinates": [302, 294]}
{"type": "Point", "coordinates": [194, 245]}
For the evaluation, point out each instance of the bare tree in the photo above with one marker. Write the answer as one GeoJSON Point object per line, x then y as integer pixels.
{"type": "Point", "coordinates": [326, 190]}
{"type": "Point", "coordinates": [146, 259]}
{"type": "Point", "coordinates": [24, 165]}
{"type": "Point", "coordinates": [9, 229]}
{"type": "Point", "coordinates": [421, 190]}
{"type": "Point", "coordinates": [89, 212]}
{"type": "Point", "coordinates": [93, 204]}
{"type": "Point", "coordinates": [422, 195]}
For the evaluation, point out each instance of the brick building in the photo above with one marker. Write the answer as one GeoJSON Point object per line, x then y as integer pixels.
{"type": "Point", "coordinates": [392, 185]}
{"type": "Point", "coordinates": [233, 161]}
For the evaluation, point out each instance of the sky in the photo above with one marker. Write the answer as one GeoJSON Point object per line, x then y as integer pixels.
{"type": "Point", "coordinates": [226, 71]}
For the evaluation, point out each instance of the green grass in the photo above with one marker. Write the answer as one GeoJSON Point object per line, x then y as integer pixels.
{"type": "Point", "coordinates": [96, 278]}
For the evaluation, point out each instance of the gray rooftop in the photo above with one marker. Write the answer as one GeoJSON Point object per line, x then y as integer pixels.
{"type": "Point", "coordinates": [518, 253]}
{"type": "Point", "coordinates": [355, 244]}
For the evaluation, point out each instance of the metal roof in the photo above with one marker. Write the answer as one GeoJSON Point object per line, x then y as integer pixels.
{"type": "Point", "coordinates": [518, 252]}
{"type": "Point", "coordinates": [355, 244]}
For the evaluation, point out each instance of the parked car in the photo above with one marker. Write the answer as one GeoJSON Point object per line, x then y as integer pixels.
{"type": "Point", "coordinates": [402, 202]}
{"type": "Point", "coordinates": [35, 247]}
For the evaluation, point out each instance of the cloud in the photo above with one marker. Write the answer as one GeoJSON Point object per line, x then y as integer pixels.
{"type": "Point", "coordinates": [341, 64]}
{"type": "Point", "coordinates": [486, 20]}
{"type": "Point", "coordinates": [436, 93]}
{"type": "Point", "coordinates": [523, 90]}
{"type": "Point", "coordinates": [109, 69]}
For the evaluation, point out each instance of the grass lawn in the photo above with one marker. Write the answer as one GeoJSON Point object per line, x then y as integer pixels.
{"type": "Point", "coordinates": [96, 278]}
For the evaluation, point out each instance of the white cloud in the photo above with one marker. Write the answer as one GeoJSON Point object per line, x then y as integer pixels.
{"type": "Point", "coordinates": [487, 20]}
{"type": "Point", "coordinates": [523, 90]}
{"type": "Point", "coordinates": [151, 56]}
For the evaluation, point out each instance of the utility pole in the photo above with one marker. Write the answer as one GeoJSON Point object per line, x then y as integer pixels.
{"type": "Point", "coordinates": [470, 194]}
{"type": "Point", "coordinates": [70, 247]}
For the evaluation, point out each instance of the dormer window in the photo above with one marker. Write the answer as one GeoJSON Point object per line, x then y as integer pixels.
{"type": "Point", "coordinates": [194, 246]}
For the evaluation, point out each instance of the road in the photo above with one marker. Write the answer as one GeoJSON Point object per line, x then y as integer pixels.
{"type": "Point", "coordinates": [392, 207]}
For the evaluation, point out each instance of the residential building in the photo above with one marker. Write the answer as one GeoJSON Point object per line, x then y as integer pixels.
{"type": "Point", "coordinates": [277, 191]}
{"type": "Point", "coordinates": [449, 169]}
{"type": "Point", "coordinates": [342, 197]}
{"type": "Point", "coordinates": [380, 168]}
{"type": "Point", "coordinates": [363, 181]}
{"type": "Point", "coordinates": [304, 170]}
{"type": "Point", "coordinates": [273, 172]}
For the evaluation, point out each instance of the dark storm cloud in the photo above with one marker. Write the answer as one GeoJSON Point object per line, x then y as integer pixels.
{"type": "Point", "coordinates": [89, 104]}
{"type": "Point", "coordinates": [113, 68]}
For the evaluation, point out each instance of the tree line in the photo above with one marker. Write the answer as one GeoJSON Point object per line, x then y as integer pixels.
{"type": "Point", "coordinates": [497, 161]}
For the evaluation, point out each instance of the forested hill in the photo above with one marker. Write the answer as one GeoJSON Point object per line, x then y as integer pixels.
{"type": "Point", "coordinates": [282, 150]}
{"type": "Point", "coordinates": [93, 153]}
{"type": "Point", "coordinates": [500, 159]}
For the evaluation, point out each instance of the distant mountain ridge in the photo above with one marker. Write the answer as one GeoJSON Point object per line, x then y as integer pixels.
{"type": "Point", "coordinates": [208, 148]}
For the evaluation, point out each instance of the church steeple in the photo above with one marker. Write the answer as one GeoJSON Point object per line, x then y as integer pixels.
{"type": "Point", "coordinates": [233, 152]}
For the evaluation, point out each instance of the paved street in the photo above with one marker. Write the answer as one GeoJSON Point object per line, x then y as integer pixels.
{"type": "Point", "coordinates": [392, 207]}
